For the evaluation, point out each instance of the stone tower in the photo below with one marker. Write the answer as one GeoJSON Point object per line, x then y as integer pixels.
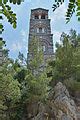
{"type": "Point", "coordinates": [40, 26]}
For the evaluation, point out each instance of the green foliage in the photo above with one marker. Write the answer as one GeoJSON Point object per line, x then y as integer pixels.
{"type": "Point", "coordinates": [70, 11]}
{"type": "Point", "coordinates": [37, 86]}
{"type": "Point", "coordinates": [1, 28]}
{"type": "Point", "coordinates": [72, 85]}
{"type": "Point", "coordinates": [66, 65]}
{"type": "Point", "coordinates": [6, 10]}
{"type": "Point", "coordinates": [11, 1]}
{"type": "Point", "coordinates": [9, 90]}
{"type": "Point", "coordinates": [35, 50]}
{"type": "Point", "coordinates": [2, 43]}
{"type": "Point", "coordinates": [22, 84]}
{"type": "Point", "coordinates": [73, 6]}
{"type": "Point", "coordinates": [35, 82]}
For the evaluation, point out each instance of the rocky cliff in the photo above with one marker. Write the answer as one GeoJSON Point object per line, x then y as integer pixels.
{"type": "Point", "coordinates": [60, 106]}
{"type": "Point", "coordinates": [63, 106]}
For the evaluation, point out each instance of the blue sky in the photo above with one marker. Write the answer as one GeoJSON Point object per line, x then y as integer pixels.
{"type": "Point", "coordinates": [17, 39]}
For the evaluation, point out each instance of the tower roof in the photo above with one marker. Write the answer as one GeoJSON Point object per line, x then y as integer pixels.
{"type": "Point", "coordinates": [39, 9]}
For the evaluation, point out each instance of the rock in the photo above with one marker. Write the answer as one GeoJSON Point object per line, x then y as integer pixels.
{"type": "Point", "coordinates": [77, 97]}
{"type": "Point", "coordinates": [45, 113]}
{"type": "Point", "coordinates": [42, 114]}
{"type": "Point", "coordinates": [32, 109]}
{"type": "Point", "coordinates": [78, 112]}
{"type": "Point", "coordinates": [63, 106]}
{"type": "Point", "coordinates": [59, 106]}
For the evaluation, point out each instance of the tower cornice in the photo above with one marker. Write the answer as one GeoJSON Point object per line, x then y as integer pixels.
{"type": "Point", "coordinates": [39, 9]}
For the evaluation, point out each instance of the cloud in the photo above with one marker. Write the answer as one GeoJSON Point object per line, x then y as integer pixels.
{"type": "Point", "coordinates": [57, 35]}
{"type": "Point", "coordinates": [59, 13]}
{"type": "Point", "coordinates": [16, 46]}
{"type": "Point", "coordinates": [21, 44]}
{"type": "Point", "coordinates": [24, 35]}
{"type": "Point", "coordinates": [56, 38]}
{"type": "Point", "coordinates": [24, 39]}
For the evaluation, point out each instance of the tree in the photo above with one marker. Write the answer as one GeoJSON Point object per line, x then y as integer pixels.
{"type": "Point", "coordinates": [9, 87]}
{"type": "Point", "coordinates": [3, 52]}
{"type": "Point", "coordinates": [36, 53]}
{"type": "Point", "coordinates": [73, 6]}
{"type": "Point", "coordinates": [9, 90]}
{"type": "Point", "coordinates": [22, 59]}
{"type": "Point", "coordinates": [64, 58]}
{"type": "Point", "coordinates": [66, 66]}
{"type": "Point", "coordinates": [32, 79]}
{"type": "Point", "coordinates": [36, 79]}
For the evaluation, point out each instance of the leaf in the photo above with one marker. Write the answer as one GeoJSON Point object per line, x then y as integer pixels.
{"type": "Point", "coordinates": [10, 1]}
{"type": "Point", "coordinates": [71, 7]}
{"type": "Point", "coordinates": [10, 12]}
{"type": "Point", "coordinates": [0, 1]}
{"type": "Point", "coordinates": [8, 7]}
{"type": "Point", "coordinates": [69, 10]}
{"type": "Point", "coordinates": [72, 1]}
{"type": "Point", "coordinates": [14, 1]}
{"type": "Point", "coordinates": [1, 17]}
{"type": "Point", "coordinates": [5, 1]}
{"type": "Point", "coordinates": [78, 8]}
{"type": "Point", "coordinates": [19, 2]}
{"type": "Point", "coordinates": [78, 18]}
{"type": "Point", "coordinates": [14, 25]}
{"type": "Point", "coordinates": [78, 14]}
{"type": "Point", "coordinates": [1, 26]}
{"type": "Point", "coordinates": [78, 3]}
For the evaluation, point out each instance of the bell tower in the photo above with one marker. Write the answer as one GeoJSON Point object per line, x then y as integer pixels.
{"type": "Point", "coordinates": [40, 26]}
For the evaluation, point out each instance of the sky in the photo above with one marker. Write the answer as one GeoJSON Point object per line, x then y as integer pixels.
{"type": "Point", "coordinates": [17, 39]}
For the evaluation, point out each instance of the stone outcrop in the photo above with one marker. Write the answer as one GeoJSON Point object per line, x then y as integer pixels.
{"type": "Point", "coordinates": [59, 106]}
{"type": "Point", "coordinates": [39, 111]}
{"type": "Point", "coordinates": [77, 101]}
{"type": "Point", "coordinates": [78, 112]}
{"type": "Point", "coordinates": [45, 113]}
{"type": "Point", "coordinates": [63, 106]}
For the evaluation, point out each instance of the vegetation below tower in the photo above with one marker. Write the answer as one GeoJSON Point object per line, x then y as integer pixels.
{"type": "Point", "coordinates": [20, 86]}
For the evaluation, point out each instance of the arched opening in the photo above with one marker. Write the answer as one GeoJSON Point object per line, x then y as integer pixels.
{"type": "Point", "coordinates": [36, 17]}
{"type": "Point", "coordinates": [44, 48]}
{"type": "Point", "coordinates": [40, 30]}
{"type": "Point", "coordinates": [42, 16]}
